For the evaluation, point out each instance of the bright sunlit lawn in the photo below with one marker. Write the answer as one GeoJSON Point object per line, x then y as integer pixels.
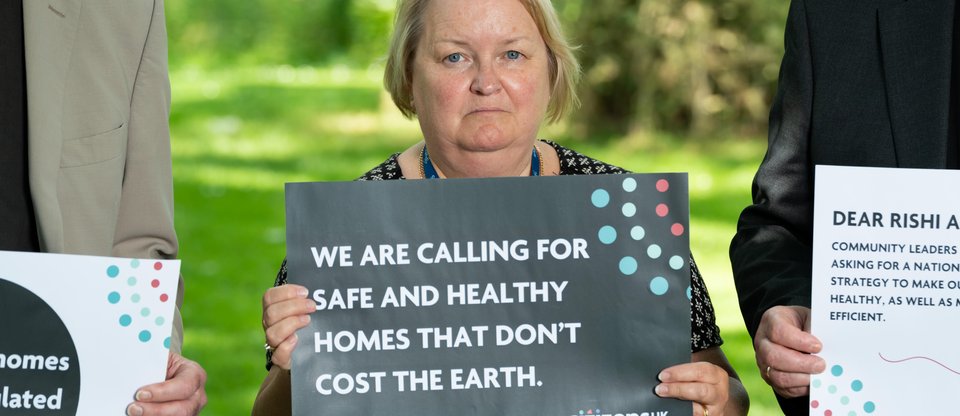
{"type": "Point", "coordinates": [239, 135]}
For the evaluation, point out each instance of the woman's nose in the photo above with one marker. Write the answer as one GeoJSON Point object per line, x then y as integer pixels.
{"type": "Point", "coordinates": [486, 81]}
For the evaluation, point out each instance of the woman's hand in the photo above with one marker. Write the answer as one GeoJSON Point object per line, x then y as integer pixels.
{"type": "Point", "coordinates": [701, 382]}
{"type": "Point", "coordinates": [285, 310]}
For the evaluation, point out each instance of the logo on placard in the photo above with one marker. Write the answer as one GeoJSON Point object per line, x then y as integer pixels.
{"type": "Point", "coordinates": [137, 296]}
{"type": "Point", "coordinates": [39, 368]}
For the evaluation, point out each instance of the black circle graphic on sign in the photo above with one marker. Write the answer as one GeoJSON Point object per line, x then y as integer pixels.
{"type": "Point", "coordinates": [39, 369]}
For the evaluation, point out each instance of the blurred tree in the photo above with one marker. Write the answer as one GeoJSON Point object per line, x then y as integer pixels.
{"type": "Point", "coordinates": [690, 67]}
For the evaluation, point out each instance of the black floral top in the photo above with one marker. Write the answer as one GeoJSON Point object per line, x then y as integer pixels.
{"type": "Point", "coordinates": [703, 320]}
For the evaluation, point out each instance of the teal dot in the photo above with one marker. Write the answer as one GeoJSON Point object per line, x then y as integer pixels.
{"type": "Point", "coordinates": [145, 312]}
{"type": "Point", "coordinates": [836, 370]}
{"type": "Point", "coordinates": [600, 198]}
{"type": "Point", "coordinates": [852, 413]}
{"type": "Point", "coordinates": [869, 407]}
{"type": "Point", "coordinates": [607, 234]}
{"type": "Point", "coordinates": [629, 209]}
{"type": "Point", "coordinates": [132, 281]}
{"type": "Point", "coordinates": [125, 320]}
{"type": "Point", "coordinates": [159, 321]}
{"type": "Point", "coordinates": [113, 297]}
{"type": "Point", "coordinates": [629, 184]}
{"type": "Point", "coordinates": [659, 285]}
{"type": "Point", "coordinates": [113, 271]}
{"type": "Point", "coordinates": [856, 385]}
{"type": "Point", "coordinates": [844, 400]}
{"type": "Point", "coordinates": [676, 262]}
{"type": "Point", "coordinates": [816, 384]}
{"type": "Point", "coordinates": [832, 389]}
{"type": "Point", "coordinates": [135, 298]}
{"type": "Point", "coordinates": [166, 343]}
{"type": "Point", "coordinates": [134, 263]}
{"type": "Point", "coordinates": [637, 233]}
{"type": "Point", "coordinates": [654, 251]}
{"type": "Point", "coordinates": [144, 336]}
{"type": "Point", "coordinates": [689, 294]}
{"type": "Point", "coordinates": [628, 265]}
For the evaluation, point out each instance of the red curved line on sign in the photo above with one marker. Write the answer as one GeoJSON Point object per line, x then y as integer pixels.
{"type": "Point", "coordinates": [919, 358]}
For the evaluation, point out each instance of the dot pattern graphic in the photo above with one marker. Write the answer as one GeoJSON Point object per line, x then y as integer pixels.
{"type": "Point", "coordinates": [609, 234]}
{"type": "Point", "coordinates": [676, 262]}
{"type": "Point", "coordinates": [676, 229]}
{"type": "Point", "coordinates": [659, 286]}
{"type": "Point", "coordinates": [844, 394]}
{"type": "Point", "coordinates": [654, 251]}
{"type": "Point", "coordinates": [663, 185]}
{"type": "Point", "coordinates": [628, 265]}
{"type": "Point", "coordinates": [133, 290]}
{"type": "Point", "coordinates": [600, 198]}
{"type": "Point", "coordinates": [662, 210]}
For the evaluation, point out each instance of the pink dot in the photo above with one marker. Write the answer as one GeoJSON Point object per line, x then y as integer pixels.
{"type": "Point", "coordinates": [662, 210]}
{"type": "Point", "coordinates": [157, 266]}
{"type": "Point", "coordinates": [164, 297]}
{"type": "Point", "coordinates": [827, 413]}
{"type": "Point", "coordinates": [677, 229]}
{"type": "Point", "coordinates": [814, 404]}
{"type": "Point", "coordinates": [155, 283]}
{"type": "Point", "coordinates": [663, 185]}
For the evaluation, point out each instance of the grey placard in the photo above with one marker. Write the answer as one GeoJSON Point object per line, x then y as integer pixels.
{"type": "Point", "coordinates": [600, 263]}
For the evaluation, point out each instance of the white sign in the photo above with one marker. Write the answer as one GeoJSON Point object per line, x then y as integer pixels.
{"type": "Point", "coordinates": [886, 291]}
{"type": "Point", "coordinates": [80, 334]}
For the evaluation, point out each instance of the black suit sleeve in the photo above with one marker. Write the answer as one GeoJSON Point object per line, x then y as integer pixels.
{"type": "Point", "coordinates": [771, 251]}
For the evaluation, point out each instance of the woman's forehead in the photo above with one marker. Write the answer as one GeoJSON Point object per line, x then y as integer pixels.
{"type": "Point", "coordinates": [466, 20]}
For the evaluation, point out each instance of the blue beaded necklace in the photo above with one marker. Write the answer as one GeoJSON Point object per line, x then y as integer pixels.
{"type": "Point", "coordinates": [429, 172]}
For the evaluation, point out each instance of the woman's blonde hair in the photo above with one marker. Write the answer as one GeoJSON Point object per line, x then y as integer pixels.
{"type": "Point", "coordinates": [408, 27]}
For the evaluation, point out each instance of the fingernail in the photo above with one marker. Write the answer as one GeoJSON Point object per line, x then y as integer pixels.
{"type": "Point", "coordinates": [143, 395]}
{"type": "Point", "coordinates": [295, 339]}
{"type": "Point", "coordinates": [664, 376]}
{"type": "Point", "coordinates": [302, 292]}
{"type": "Point", "coordinates": [304, 319]}
{"type": "Point", "coordinates": [660, 390]}
{"type": "Point", "coordinates": [134, 410]}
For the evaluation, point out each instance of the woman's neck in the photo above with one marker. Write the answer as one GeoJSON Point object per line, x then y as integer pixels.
{"type": "Point", "coordinates": [459, 163]}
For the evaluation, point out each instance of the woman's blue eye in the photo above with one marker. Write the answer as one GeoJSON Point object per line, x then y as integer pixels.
{"type": "Point", "coordinates": [513, 55]}
{"type": "Point", "coordinates": [454, 57]}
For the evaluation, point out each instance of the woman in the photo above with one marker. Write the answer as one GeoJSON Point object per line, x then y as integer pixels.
{"type": "Point", "coordinates": [481, 76]}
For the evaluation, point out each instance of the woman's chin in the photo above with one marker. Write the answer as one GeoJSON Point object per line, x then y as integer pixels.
{"type": "Point", "coordinates": [491, 138]}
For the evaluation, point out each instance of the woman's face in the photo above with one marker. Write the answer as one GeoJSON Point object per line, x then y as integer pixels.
{"type": "Point", "coordinates": [480, 75]}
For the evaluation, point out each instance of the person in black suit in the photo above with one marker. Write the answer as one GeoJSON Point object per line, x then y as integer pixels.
{"type": "Point", "coordinates": [862, 83]}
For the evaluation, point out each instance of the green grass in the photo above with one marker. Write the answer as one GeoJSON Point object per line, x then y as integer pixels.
{"type": "Point", "coordinates": [240, 134]}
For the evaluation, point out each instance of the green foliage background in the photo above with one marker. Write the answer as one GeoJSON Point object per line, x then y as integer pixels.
{"type": "Point", "coordinates": [269, 92]}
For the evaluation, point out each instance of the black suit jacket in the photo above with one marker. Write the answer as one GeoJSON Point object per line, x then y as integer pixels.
{"type": "Point", "coordinates": [862, 83]}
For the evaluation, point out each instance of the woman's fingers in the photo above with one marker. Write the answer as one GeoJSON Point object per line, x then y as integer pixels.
{"type": "Point", "coordinates": [279, 332]}
{"type": "Point", "coordinates": [284, 352]}
{"type": "Point", "coordinates": [700, 382]}
{"type": "Point", "coordinates": [285, 310]}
